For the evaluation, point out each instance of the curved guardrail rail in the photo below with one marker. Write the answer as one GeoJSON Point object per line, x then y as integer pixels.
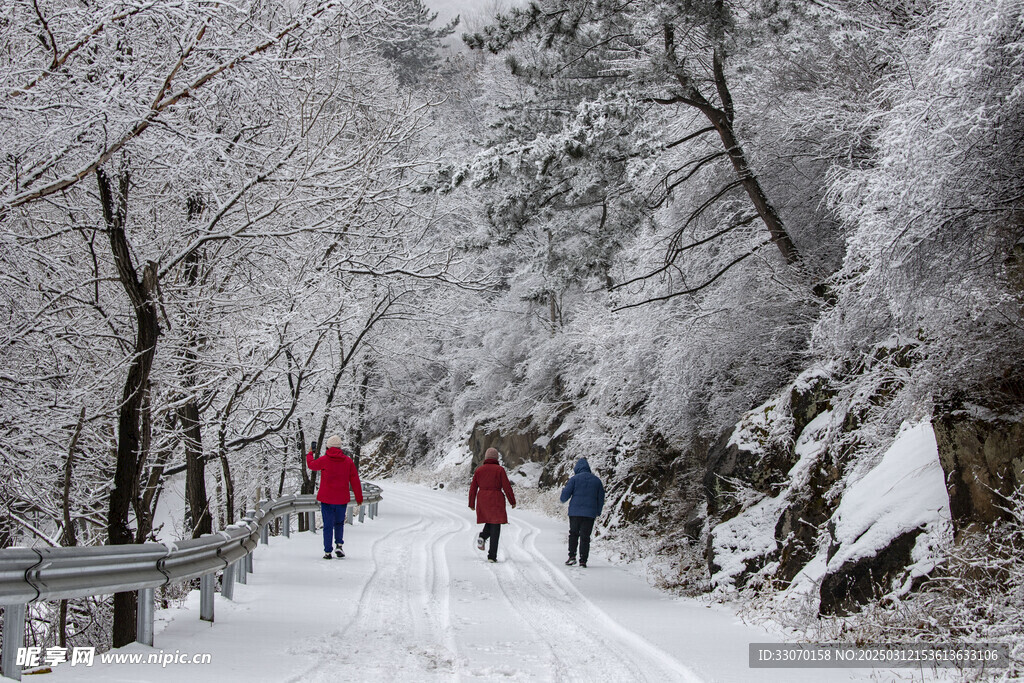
{"type": "Point", "coordinates": [36, 574]}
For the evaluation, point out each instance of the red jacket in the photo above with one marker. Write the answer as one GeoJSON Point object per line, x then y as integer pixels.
{"type": "Point", "coordinates": [338, 473]}
{"type": "Point", "coordinates": [492, 482]}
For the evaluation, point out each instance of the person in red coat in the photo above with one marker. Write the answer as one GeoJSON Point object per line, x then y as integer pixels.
{"type": "Point", "coordinates": [338, 474]}
{"type": "Point", "coordinates": [491, 481]}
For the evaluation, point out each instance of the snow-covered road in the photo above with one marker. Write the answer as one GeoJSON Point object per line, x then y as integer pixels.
{"type": "Point", "coordinates": [416, 600]}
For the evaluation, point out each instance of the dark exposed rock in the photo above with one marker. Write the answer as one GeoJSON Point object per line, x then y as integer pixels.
{"type": "Point", "coordinates": [634, 497]}
{"type": "Point", "coordinates": [389, 451]}
{"type": "Point", "coordinates": [984, 463]}
{"type": "Point", "coordinates": [660, 498]}
{"type": "Point", "coordinates": [693, 527]}
{"type": "Point", "coordinates": [765, 471]}
{"type": "Point", "coordinates": [808, 504]}
{"type": "Point", "coordinates": [751, 566]}
{"type": "Point", "coordinates": [810, 401]}
{"type": "Point", "coordinates": [729, 464]}
{"type": "Point", "coordinates": [518, 446]}
{"type": "Point", "coordinates": [800, 524]}
{"type": "Point", "coordinates": [855, 583]}
{"type": "Point", "coordinates": [662, 490]}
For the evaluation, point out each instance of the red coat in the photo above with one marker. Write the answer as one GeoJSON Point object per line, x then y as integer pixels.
{"type": "Point", "coordinates": [491, 480]}
{"type": "Point", "coordinates": [339, 472]}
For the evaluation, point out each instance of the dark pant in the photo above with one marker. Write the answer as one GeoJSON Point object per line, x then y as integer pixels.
{"type": "Point", "coordinates": [580, 529]}
{"type": "Point", "coordinates": [334, 524]}
{"type": "Point", "coordinates": [493, 532]}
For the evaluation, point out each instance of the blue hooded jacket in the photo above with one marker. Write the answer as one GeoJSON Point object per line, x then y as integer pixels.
{"type": "Point", "coordinates": [585, 490]}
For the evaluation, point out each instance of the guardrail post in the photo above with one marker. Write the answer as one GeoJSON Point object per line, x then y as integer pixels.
{"type": "Point", "coordinates": [286, 526]}
{"type": "Point", "coordinates": [248, 563]}
{"type": "Point", "coordinates": [144, 613]}
{"type": "Point", "coordinates": [240, 569]}
{"type": "Point", "coordinates": [349, 513]}
{"type": "Point", "coordinates": [206, 584]}
{"type": "Point", "coordinates": [375, 513]}
{"type": "Point", "coordinates": [265, 535]}
{"type": "Point", "coordinates": [227, 588]}
{"type": "Point", "coordinates": [362, 513]}
{"type": "Point", "coordinates": [14, 638]}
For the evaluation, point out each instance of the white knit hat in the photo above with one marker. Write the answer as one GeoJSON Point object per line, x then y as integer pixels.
{"type": "Point", "coordinates": [334, 442]}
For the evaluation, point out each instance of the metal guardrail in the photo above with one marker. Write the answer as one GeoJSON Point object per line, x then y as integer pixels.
{"type": "Point", "coordinates": [37, 574]}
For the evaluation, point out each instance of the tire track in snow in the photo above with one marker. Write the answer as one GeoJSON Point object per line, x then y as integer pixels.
{"type": "Point", "coordinates": [401, 624]}
{"type": "Point", "coordinates": [438, 598]}
{"type": "Point", "coordinates": [646, 660]}
{"type": "Point", "coordinates": [550, 659]}
{"type": "Point", "coordinates": [580, 640]}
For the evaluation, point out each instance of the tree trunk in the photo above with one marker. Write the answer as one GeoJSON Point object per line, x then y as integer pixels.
{"type": "Point", "coordinates": [308, 484]}
{"type": "Point", "coordinates": [284, 471]}
{"type": "Point", "coordinates": [364, 386]}
{"type": "Point", "coordinates": [722, 120]}
{"type": "Point", "coordinates": [219, 491]}
{"type": "Point", "coordinates": [146, 498]}
{"type": "Point", "coordinates": [229, 488]}
{"type": "Point", "coordinates": [68, 537]}
{"type": "Point", "coordinates": [130, 416]}
{"type": "Point", "coordinates": [195, 463]}
{"type": "Point", "coordinates": [195, 470]}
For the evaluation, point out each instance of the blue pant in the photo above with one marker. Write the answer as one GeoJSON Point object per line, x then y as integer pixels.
{"type": "Point", "coordinates": [334, 524]}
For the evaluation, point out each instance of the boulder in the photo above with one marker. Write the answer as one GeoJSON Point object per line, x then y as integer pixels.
{"type": "Point", "coordinates": [854, 583]}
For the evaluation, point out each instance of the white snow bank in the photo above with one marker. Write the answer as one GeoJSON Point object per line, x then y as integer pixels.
{"type": "Point", "coordinates": [458, 455]}
{"type": "Point", "coordinates": [744, 538]}
{"type": "Point", "coordinates": [905, 491]}
{"type": "Point", "coordinates": [526, 475]}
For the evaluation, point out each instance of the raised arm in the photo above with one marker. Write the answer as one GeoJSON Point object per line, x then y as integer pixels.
{"type": "Point", "coordinates": [313, 463]}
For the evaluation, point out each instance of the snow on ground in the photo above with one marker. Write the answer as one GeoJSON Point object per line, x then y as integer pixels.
{"type": "Point", "coordinates": [415, 600]}
{"type": "Point", "coordinates": [169, 518]}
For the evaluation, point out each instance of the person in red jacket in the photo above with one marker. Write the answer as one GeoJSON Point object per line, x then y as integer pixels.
{"type": "Point", "coordinates": [491, 481]}
{"type": "Point", "coordinates": [338, 474]}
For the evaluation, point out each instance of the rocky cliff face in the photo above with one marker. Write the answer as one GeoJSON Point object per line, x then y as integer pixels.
{"type": "Point", "coordinates": [796, 499]}
{"type": "Point", "coordinates": [793, 498]}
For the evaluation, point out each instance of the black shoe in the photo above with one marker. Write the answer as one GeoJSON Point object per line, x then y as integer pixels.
{"type": "Point", "coordinates": [583, 564]}
{"type": "Point", "coordinates": [327, 556]}
{"type": "Point", "coordinates": [338, 551]}
{"type": "Point", "coordinates": [571, 561]}
{"type": "Point", "coordinates": [492, 559]}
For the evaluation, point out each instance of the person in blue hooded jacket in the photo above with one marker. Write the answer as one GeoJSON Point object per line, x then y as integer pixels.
{"type": "Point", "coordinates": [585, 494]}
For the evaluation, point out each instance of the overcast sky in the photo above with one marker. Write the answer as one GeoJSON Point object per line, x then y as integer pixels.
{"type": "Point", "coordinates": [471, 11]}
